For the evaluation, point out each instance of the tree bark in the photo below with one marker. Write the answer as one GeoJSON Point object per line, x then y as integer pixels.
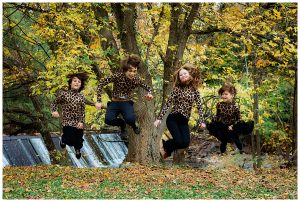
{"type": "Point", "coordinates": [294, 124]}
{"type": "Point", "coordinates": [44, 130]}
{"type": "Point", "coordinates": [256, 81]}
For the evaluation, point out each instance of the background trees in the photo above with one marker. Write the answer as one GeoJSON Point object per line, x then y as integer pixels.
{"type": "Point", "coordinates": [251, 44]}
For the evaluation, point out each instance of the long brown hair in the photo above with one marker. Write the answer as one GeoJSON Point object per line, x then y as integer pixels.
{"type": "Point", "coordinates": [194, 73]}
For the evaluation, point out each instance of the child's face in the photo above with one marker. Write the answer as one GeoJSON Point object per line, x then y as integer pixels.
{"type": "Point", "coordinates": [131, 72]}
{"type": "Point", "coordinates": [75, 84]}
{"type": "Point", "coordinates": [227, 96]}
{"type": "Point", "coordinates": [184, 76]}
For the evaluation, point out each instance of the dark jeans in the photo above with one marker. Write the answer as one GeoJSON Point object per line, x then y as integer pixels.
{"type": "Point", "coordinates": [115, 108]}
{"type": "Point", "coordinates": [178, 126]}
{"type": "Point", "coordinates": [72, 136]}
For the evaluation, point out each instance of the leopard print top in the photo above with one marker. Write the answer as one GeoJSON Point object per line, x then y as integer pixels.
{"type": "Point", "coordinates": [122, 87]}
{"type": "Point", "coordinates": [182, 98]}
{"type": "Point", "coordinates": [227, 113]}
{"type": "Point", "coordinates": [72, 104]}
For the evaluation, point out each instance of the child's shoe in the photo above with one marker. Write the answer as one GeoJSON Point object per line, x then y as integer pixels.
{"type": "Point", "coordinates": [62, 145]}
{"type": "Point", "coordinates": [124, 135]}
{"type": "Point", "coordinates": [77, 153]}
{"type": "Point", "coordinates": [162, 152]}
{"type": "Point", "coordinates": [137, 130]}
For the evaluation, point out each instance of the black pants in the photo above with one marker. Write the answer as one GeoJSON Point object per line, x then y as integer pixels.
{"type": "Point", "coordinates": [223, 134]}
{"type": "Point", "coordinates": [230, 136]}
{"type": "Point", "coordinates": [178, 126]}
{"type": "Point", "coordinates": [122, 107]}
{"type": "Point", "coordinates": [73, 137]}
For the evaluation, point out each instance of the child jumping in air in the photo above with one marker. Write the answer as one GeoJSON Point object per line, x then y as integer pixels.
{"type": "Point", "coordinates": [121, 102]}
{"type": "Point", "coordinates": [184, 94]}
{"type": "Point", "coordinates": [226, 125]}
{"type": "Point", "coordinates": [72, 104]}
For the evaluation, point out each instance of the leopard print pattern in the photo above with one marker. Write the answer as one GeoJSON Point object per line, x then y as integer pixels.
{"type": "Point", "coordinates": [227, 113]}
{"type": "Point", "coordinates": [122, 86]}
{"type": "Point", "coordinates": [182, 99]}
{"type": "Point", "coordinates": [72, 104]}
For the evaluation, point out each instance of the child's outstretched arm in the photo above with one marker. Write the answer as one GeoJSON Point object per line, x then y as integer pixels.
{"type": "Point", "coordinates": [200, 110]}
{"type": "Point", "coordinates": [88, 102]}
{"type": "Point", "coordinates": [237, 115]}
{"type": "Point", "coordinates": [80, 124]}
{"type": "Point", "coordinates": [165, 108]}
{"type": "Point", "coordinates": [102, 83]}
{"type": "Point", "coordinates": [149, 95]}
{"type": "Point", "coordinates": [54, 105]}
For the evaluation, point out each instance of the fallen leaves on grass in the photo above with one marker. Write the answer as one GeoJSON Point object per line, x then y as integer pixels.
{"type": "Point", "coordinates": [139, 181]}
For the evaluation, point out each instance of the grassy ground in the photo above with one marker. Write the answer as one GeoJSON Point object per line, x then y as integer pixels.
{"type": "Point", "coordinates": [147, 182]}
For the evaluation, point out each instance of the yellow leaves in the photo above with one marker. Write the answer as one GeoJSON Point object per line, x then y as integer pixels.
{"type": "Point", "coordinates": [276, 38]}
{"type": "Point", "coordinates": [172, 48]}
{"type": "Point", "coordinates": [277, 53]}
{"type": "Point", "coordinates": [290, 48]}
{"type": "Point", "coordinates": [286, 40]}
{"type": "Point", "coordinates": [214, 76]}
{"type": "Point", "coordinates": [272, 44]}
{"type": "Point", "coordinates": [260, 63]}
{"type": "Point", "coordinates": [277, 14]}
{"type": "Point", "coordinates": [96, 43]}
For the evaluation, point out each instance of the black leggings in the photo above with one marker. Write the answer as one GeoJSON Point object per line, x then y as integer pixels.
{"type": "Point", "coordinates": [221, 132]}
{"type": "Point", "coordinates": [178, 126]}
{"type": "Point", "coordinates": [72, 136]}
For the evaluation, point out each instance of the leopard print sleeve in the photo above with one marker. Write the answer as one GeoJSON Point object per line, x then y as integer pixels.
{"type": "Point", "coordinates": [82, 110]}
{"type": "Point", "coordinates": [58, 100]}
{"type": "Point", "coordinates": [218, 114]}
{"type": "Point", "coordinates": [237, 114]}
{"type": "Point", "coordinates": [216, 117]}
{"type": "Point", "coordinates": [88, 102]}
{"type": "Point", "coordinates": [167, 104]}
{"type": "Point", "coordinates": [104, 82]}
{"type": "Point", "coordinates": [199, 107]}
{"type": "Point", "coordinates": [144, 86]}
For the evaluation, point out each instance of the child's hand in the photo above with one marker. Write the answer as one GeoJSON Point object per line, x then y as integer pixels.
{"type": "Point", "coordinates": [157, 123]}
{"type": "Point", "coordinates": [202, 125]}
{"type": "Point", "coordinates": [55, 114]}
{"type": "Point", "coordinates": [79, 125]}
{"type": "Point", "coordinates": [230, 127]}
{"type": "Point", "coordinates": [148, 97]}
{"type": "Point", "coordinates": [98, 105]}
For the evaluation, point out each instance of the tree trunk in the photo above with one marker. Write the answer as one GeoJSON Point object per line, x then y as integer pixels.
{"type": "Point", "coordinates": [256, 81]}
{"type": "Point", "coordinates": [44, 130]}
{"type": "Point", "coordinates": [294, 124]}
{"type": "Point", "coordinates": [144, 148]}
